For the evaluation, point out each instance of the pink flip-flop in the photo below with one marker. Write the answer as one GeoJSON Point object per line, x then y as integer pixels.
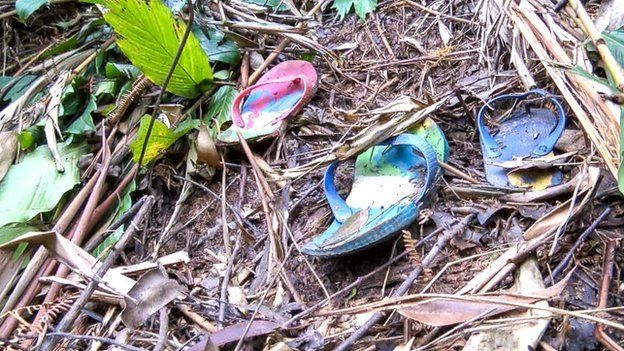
{"type": "Point", "coordinates": [259, 110]}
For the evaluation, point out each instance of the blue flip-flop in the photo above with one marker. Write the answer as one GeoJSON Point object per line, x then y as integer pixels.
{"type": "Point", "coordinates": [530, 132]}
{"type": "Point", "coordinates": [392, 180]}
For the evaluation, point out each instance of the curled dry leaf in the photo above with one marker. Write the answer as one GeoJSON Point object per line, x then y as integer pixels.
{"type": "Point", "coordinates": [206, 148]}
{"type": "Point", "coordinates": [234, 333]}
{"type": "Point", "coordinates": [152, 292]}
{"type": "Point", "coordinates": [8, 150]}
{"type": "Point", "coordinates": [448, 311]}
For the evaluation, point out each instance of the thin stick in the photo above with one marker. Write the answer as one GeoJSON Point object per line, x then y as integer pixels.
{"type": "Point", "coordinates": [74, 311]}
{"type": "Point", "coordinates": [564, 262]}
{"type": "Point", "coordinates": [163, 328]}
{"type": "Point", "coordinates": [607, 273]}
{"type": "Point", "coordinates": [356, 283]}
{"type": "Point", "coordinates": [95, 338]}
{"type": "Point", "coordinates": [407, 284]}
{"type": "Point", "coordinates": [226, 277]}
{"type": "Point", "coordinates": [280, 47]}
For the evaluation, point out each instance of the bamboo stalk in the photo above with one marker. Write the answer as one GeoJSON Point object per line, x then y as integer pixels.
{"type": "Point", "coordinates": [592, 32]}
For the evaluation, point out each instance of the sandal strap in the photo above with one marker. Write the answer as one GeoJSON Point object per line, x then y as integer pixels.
{"type": "Point", "coordinates": [492, 149]}
{"type": "Point", "coordinates": [339, 206]}
{"type": "Point", "coordinates": [237, 104]}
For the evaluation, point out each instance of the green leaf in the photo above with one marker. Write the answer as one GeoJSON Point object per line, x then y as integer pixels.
{"type": "Point", "coordinates": [74, 97]}
{"type": "Point", "coordinates": [362, 7]}
{"type": "Point", "coordinates": [34, 185]}
{"type": "Point", "coordinates": [217, 47]}
{"type": "Point", "coordinates": [120, 70]}
{"type": "Point", "coordinates": [124, 205]}
{"type": "Point", "coordinates": [26, 8]}
{"type": "Point", "coordinates": [28, 137]}
{"type": "Point", "coordinates": [219, 109]}
{"type": "Point", "coordinates": [149, 36]}
{"type": "Point", "coordinates": [4, 80]}
{"type": "Point", "coordinates": [84, 122]}
{"type": "Point", "coordinates": [19, 87]}
{"type": "Point", "coordinates": [274, 4]}
{"type": "Point", "coordinates": [107, 89]}
{"type": "Point", "coordinates": [342, 7]}
{"type": "Point", "coordinates": [160, 138]}
{"type": "Point", "coordinates": [13, 231]}
{"type": "Point", "coordinates": [615, 42]}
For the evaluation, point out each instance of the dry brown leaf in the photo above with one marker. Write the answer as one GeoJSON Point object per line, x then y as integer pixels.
{"type": "Point", "coordinates": [8, 151]}
{"type": "Point", "coordinates": [74, 257]}
{"type": "Point", "coordinates": [234, 333]}
{"type": "Point", "coordinates": [522, 336]}
{"type": "Point", "coordinates": [447, 311]}
{"type": "Point", "coordinates": [553, 219]}
{"type": "Point", "coordinates": [206, 148]}
{"type": "Point", "coordinates": [152, 292]}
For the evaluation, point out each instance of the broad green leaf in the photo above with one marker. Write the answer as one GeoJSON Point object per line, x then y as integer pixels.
{"type": "Point", "coordinates": [120, 70]}
{"type": "Point", "coordinates": [34, 186]}
{"type": "Point", "coordinates": [74, 97]}
{"type": "Point", "coordinates": [160, 138]}
{"type": "Point", "coordinates": [124, 205]}
{"type": "Point", "coordinates": [84, 122]}
{"type": "Point", "coordinates": [19, 87]}
{"type": "Point", "coordinates": [362, 7]}
{"type": "Point", "coordinates": [26, 8]}
{"type": "Point", "coordinates": [107, 89]}
{"type": "Point", "coordinates": [217, 47]}
{"type": "Point", "coordinates": [149, 36]}
{"type": "Point", "coordinates": [219, 109]}
{"type": "Point", "coordinates": [12, 231]}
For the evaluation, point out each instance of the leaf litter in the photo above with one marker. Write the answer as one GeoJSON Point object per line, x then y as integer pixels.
{"type": "Point", "coordinates": [214, 263]}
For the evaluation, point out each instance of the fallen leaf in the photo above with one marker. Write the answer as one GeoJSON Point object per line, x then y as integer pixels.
{"type": "Point", "coordinates": [234, 333]}
{"type": "Point", "coordinates": [447, 311]}
{"type": "Point", "coordinates": [445, 33]}
{"type": "Point", "coordinates": [152, 292]}
{"type": "Point", "coordinates": [553, 219]}
{"type": "Point", "coordinates": [34, 186]}
{"type": "Point", "coordinates": [160, 139]}
{"type": "Point", "coordinates": [206, 148]}
{"type": "Point", "coordinates": [74, 257]}
{"type": "Point", "coordinates": [8, 151]}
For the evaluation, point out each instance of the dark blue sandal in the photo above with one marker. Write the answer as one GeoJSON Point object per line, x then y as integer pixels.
{"type": "Point", "coordinates": [529, 132]}
{"type": "Point", "coordinates": [392, 180]}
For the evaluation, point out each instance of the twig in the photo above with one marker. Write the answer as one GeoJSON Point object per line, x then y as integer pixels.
{"type": "Point", "coordinates": [95, 241]}
{"type": "Point", "coordinates": [264, 295]}
{"type": "Point", "coordinates": [355, 283]}
{"type": "Point", "coordinates": [225, 232]}
{"type": "Point", "coordinates": [197, 319]}
{"type": "Point", "coordinates": [564, 262]}
{"type": "Point", "coordinates": [226, 277]}
{"type": "Point", "coordinates": [163, 328]}
{"type": "Point", "coordinates": [603, 295]}
{"type": "Point", "coordinates": [404, 287]}
{"type": "Point", "coordinates": [74, 312]}
{"type": "Point", "coordinates": [94, 338]}
{"type": "Point", "coordinates": [174, 63]}
{"type": "Point", "coordinates": [280, 47]}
